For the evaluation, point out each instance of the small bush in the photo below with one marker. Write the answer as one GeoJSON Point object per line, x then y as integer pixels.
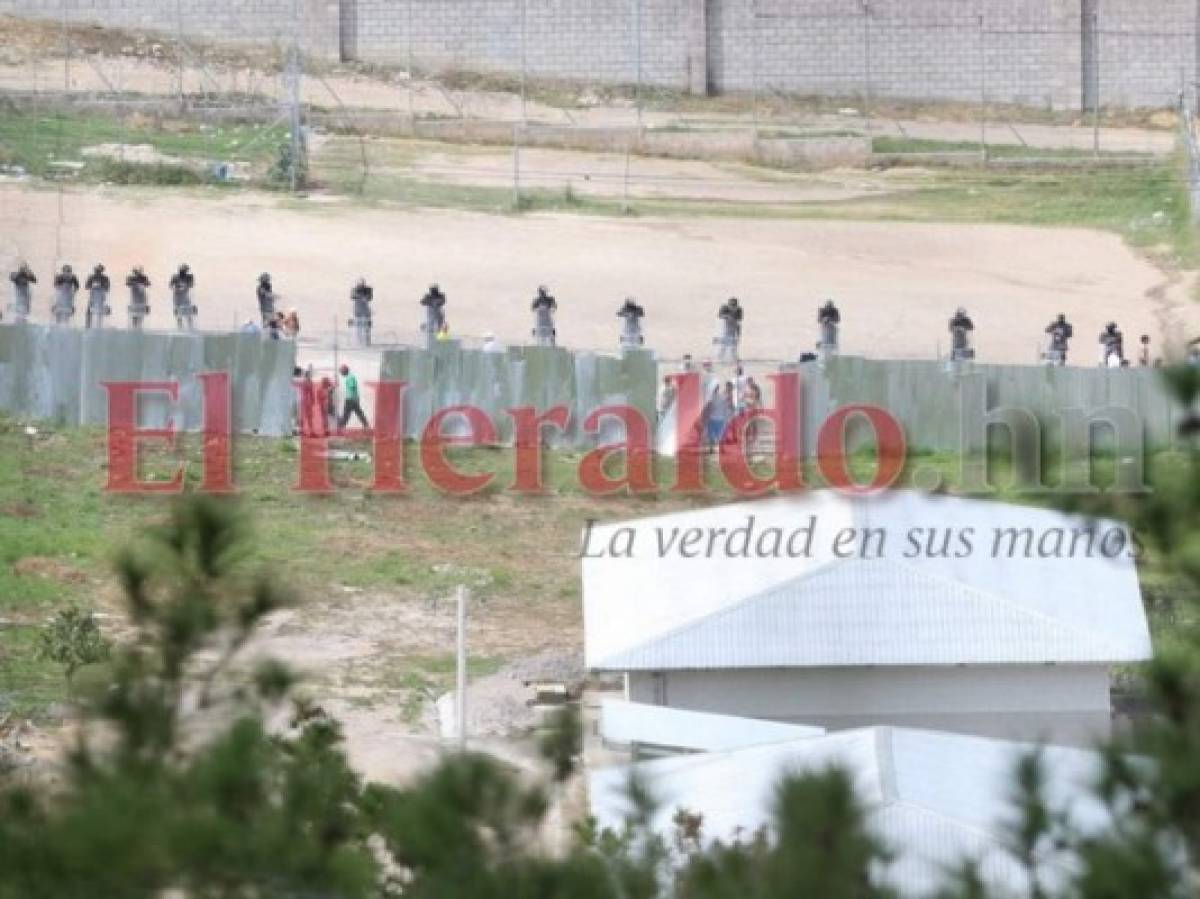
{"type": "Point", "coordinates": [118, 171]}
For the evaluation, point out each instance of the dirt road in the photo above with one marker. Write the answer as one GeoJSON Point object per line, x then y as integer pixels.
{"type": "Point", "coordinates": [897, 284]}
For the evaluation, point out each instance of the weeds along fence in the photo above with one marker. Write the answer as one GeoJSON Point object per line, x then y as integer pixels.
{"type": "Point", "coordinates": [1191, 145]}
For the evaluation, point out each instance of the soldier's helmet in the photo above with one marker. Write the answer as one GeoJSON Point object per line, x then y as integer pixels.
{"type": "Point", "coordinates": [99, 268]}
{"type": "Point", "coordinates": [184, 269]}
{"type": "Point", "coordinates": [265, 278]}
{"type": "Point", "coordinates": [1110, 327]}
{"type": "Point", "coordinates": [67, 270]}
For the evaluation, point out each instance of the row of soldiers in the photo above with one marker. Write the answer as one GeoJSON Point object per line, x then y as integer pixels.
{"type": "Point", "coordinates": [98, 285]}
{"type": "Point", "coordinates": [730, 315]}
{"type": "Point", "coordinates": [961, 327]}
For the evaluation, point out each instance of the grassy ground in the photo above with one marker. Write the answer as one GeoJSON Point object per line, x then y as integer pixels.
{"type": "Point", "coordinates": [59, 531]}
{"type": "Point", "coordinates": [1146, 204]}
{"type": "Point", "coordinates": [885, 146]}
{"type": "Point", "coordinates": [40, 141]}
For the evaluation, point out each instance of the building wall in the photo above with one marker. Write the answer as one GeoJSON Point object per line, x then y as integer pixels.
{"type": "Point", "coordinates": [1031, 52]}
{"type": "Point", "coordinates": [232, 21]}
{"type": "Point", "coordinates": [1061, 704]}
{"type": "Point", "coordinates": [590, 40]}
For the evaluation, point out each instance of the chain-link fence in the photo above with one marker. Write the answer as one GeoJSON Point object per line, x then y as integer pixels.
{"type": "Point", "coordinates": [656, 96]}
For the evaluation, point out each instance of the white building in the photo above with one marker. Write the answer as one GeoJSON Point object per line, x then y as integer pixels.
{"type": "Point", "coordinates": [936, 800]}
{"type": "Point", "coordinates": [905, 609]}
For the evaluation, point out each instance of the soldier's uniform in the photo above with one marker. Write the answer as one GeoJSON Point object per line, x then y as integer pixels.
{"type": "Point", "coordinates": [1060, 332]}
{"type": "Point", "coordinates": [631, 314]}
{"type": "Point", "coordinates": [97, 286]}
{"type": "Point", "coordinates": [266, 299]}
{"type": "Point", "coordinates": [66, 285]}
{"type": "Point", "coordinates": [544, 306]}
{"type": "Point", "coordinates": [434, 302]}
{"type": "Point", "coordinates": [361, 298]}
{"type": "Point", "coordinates": [961, 327]}
{"type": "Point", "coordinates": [181, 285]}
{"type": "Point", "coordinates": [22, 303]}
{"type": "Point", "coordinates": [828, 318]}
{"type": "Point", "coordinates": [139, 303]}
{"type": "Point", "coordinates": [730, 316]}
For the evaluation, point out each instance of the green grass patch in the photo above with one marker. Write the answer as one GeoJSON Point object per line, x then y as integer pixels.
{"type": "Point", "coordinates": [59, 531]}
{"type": "Point", "coordinates": [39, 142]}
{"type": "Point", "coordinates": [905, 145]}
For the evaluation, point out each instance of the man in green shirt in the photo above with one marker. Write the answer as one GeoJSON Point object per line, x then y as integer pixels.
{"type": "Point", "coordinates": [350, 402]}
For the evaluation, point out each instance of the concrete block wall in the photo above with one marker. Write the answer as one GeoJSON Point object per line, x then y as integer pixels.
{"type": "Point", "coordinates": [1023, 51]}
{"type": "Point", "coordinates": [55, 375]}
{"type": "Point", "coordinates": [219, 21]}
{"type": "Point", "coordinates": [1029, 52]}
{"type": "Point", "coordinates": [1147, 51]}
{"type": "Point", "coordinates": [586, 40]}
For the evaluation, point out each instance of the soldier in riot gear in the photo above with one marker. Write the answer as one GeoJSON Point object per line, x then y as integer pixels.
{"type": "Point", "coordinates": [730, 316]}
{"type": "Point", "coordinates": [631, 313]}
{"type": "Point", "coordinates": [961, 327]}
{"type": "Point", "coordinates": [66, 285]}
{"type": "Point", "coordinates": [97, 286]}
{"type": "Point", "coordinates": [1060, 332]}
{"type": "Point", "coordinates": [544, 306]}
{"type": "Point", "coordinates": [265, 294]}
{"type": "Point", "coordinates": [828, 318]}
{"type": "Point", "coordinates": [139, 303]}
{"type": "Point", "coordinates": [361, 298]}
{"type": "Point", "coordinates": [434, 302]}
{"type": "Point", "coordinates": [22, 302]}
{"type": "Point", "coordinates": [1112, 346]}
{"type": "Point", "coordinates": [181, 285]}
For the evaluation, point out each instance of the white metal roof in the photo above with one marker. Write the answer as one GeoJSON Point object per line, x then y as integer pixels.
{"type": "Point", "coordinates": [625, 723]}
{"type": "Point", "coordinates": [936, 799]}
{"type": "Point", "coordinates": [893, 605]}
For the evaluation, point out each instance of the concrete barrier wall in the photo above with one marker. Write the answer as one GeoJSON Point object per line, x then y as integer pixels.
{"type": "Point", "coordinates": [55, 374]}
{"type": "Point", "coordinates": [447, 375]}
{"type": "Point", "coordinates": [943, 409]}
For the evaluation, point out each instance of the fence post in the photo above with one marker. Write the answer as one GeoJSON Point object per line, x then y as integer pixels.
{"type": "Point", "coordinates": [637, 40]}
{"type": "Point", "coordinates": [625, 192]}
{"type": "Point", "coordinates": [460, 691]}
{"type": "Point", "coordinates": [524, 58]}
{"type": "Point", "coordinates": [867, 96]}
{"type": "Point", "coordinates": [983, 95]}
{"type": "Point", "coordinates": [1096, 99]}
{"type": "Point", "coordinates": [179, 48]}
{"type": "Point", "coordinates": [516, 167]}
{"type": "Point", "coordinates": [412, 75]}
{"type": "Point", "coordinates": [754, 73]}
{"type": "Point", "coordinates": [66, 30]}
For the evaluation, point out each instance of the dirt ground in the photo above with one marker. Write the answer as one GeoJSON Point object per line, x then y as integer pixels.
{"type": "Point", "coordinates": [897, 284]}
{"type": "Point", "coordinates": [611, 176]}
